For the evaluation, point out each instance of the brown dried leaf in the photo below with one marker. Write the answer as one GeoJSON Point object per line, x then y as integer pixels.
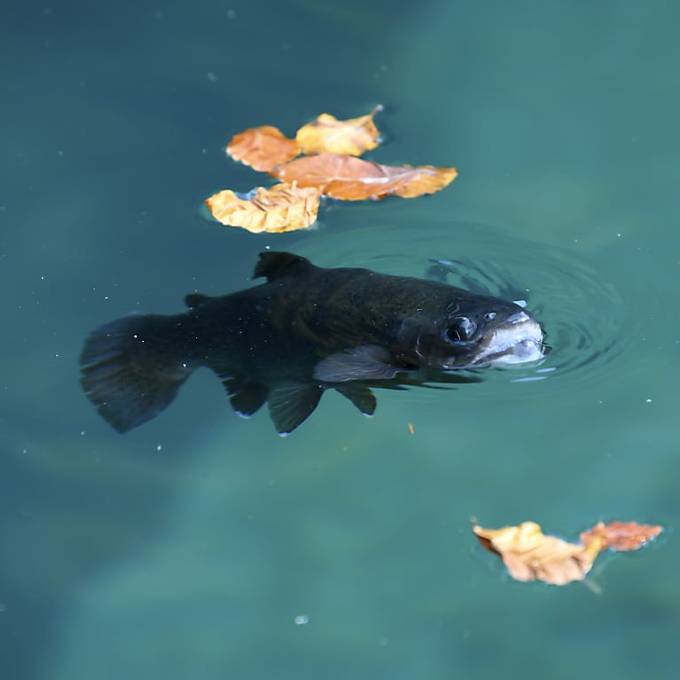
{"type": "Point", "coordinates": [350, 137]}
{"type": "Point", "coordinates": [531, 555]}
{"type": "Point", "coordinates": [621, 536]}
{"type": "Point", "coordinates": [353, 179]}
{"type": "Point", "coordinates": [262, 148]}
{"type": "Point", "coordinates": [283, 207]}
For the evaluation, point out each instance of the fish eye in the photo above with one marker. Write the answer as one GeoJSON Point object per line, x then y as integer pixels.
{"type": "Point", "coordinates": [462, 329]}
{"type": "Point", "coordinates": [490, 316]}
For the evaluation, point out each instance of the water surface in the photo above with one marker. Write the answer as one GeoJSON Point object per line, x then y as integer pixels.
{"type": "Point", "coordinates": [203, 545]}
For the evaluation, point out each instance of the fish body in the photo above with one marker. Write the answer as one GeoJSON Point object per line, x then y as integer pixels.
{"type": "Point", "coordinates": [305, 330]}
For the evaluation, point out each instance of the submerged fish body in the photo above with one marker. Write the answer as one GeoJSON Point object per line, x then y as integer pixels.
{"type": "Point", "coordinates": [305, 330]}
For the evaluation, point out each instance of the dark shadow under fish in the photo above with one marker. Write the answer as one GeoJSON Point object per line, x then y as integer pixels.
{"type": "Point", "coordinates": [306, 330]}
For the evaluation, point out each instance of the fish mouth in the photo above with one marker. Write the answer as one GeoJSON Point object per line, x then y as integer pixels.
{"type": "Point", "coordinates": [519, 340]}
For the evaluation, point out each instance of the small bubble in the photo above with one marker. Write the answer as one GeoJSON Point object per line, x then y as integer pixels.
{"type": "Point", "coordinates": [618, 235]}
{"type": "Point", "coordinates": [159, 447]}
{"type": "Point", "coordinates": [301, 620]}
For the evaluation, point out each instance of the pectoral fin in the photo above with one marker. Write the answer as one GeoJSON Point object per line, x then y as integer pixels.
{"type": "Point", "coordinates": [367, 362]}
{"type": "Point", "coordinates": [360, 395]}
{"type": "Point", "coordinates": [291, 403]}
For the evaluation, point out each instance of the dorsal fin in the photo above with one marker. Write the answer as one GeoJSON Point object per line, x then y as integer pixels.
{"type": "Point", "coordinates": [194, 300]}
{"type": "Point", "coordinates": [273, 265]}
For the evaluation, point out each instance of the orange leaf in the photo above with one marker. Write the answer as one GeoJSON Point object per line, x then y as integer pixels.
{"type": "Point", "coordinates": [531, 555]}
{"type": "Point", "coordinates": [622, 536]}
{"type": "Point", "coordinates": [353, 179]}
{"type": "Point", "coordinates": [284, 207]}
{"type": "Point", "coordinates": [262, 148]}
{"type": "Point", "coordinates": [351, 137]}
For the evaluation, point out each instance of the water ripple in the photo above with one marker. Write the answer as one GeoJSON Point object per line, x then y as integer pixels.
{"type": "Point", "coordinates": [570, 292]}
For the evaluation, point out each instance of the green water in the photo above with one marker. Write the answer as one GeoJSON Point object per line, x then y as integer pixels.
{"type": "Point", "coordinates": [204, 546]}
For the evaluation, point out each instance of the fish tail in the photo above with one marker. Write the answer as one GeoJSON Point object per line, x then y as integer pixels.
{"type": "Point", "coordinates": [132, 368]}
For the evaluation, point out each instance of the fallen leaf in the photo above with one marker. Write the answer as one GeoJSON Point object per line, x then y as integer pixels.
{"type": "Point", "coordinates": [283, 207]}
{"type": "Point", "coordinates": [262, 148]}
{"type": "Point", "coordinates": [351, 137]}
{"type": "Point", "coordinates": [531, 555]}
{"type": "Point", "coordinates": [353, 179]}
{"type": "Point", "coordinates": [622, 536]}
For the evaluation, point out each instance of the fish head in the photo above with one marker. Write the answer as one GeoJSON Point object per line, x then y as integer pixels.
{"type": "Point", "coordinates": [479, 331]}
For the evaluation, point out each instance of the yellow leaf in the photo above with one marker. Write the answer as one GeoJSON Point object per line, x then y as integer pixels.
{"type": "Point", "coordinates": [351, 137]}
{"type": "Point", "coordinates": [283, 207]}
{"type": "Point", "coordinates": [531, 555]}
{"type": "Point", "coordinates": [262, 148]}
{"type": "Point", "coordinates": [353, 179]}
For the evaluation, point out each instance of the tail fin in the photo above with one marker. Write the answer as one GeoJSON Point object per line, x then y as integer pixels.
{"type": "Point", "coordinates": [133, 367]}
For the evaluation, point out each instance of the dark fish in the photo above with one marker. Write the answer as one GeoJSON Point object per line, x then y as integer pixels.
{"type": "Point", "coordinates": [306, 330]}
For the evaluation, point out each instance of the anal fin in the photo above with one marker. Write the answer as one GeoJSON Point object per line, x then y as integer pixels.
{"type": "Point", "coordinates": [246, 397]}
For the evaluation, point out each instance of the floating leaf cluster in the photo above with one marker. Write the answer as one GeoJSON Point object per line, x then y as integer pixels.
{"type": "Point", "coordinates": [530, 555]}
{"type": "Point", "coordinates": [322, 160]}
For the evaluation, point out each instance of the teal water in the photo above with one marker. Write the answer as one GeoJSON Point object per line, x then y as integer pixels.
{"type": "Point", "coordinates": [204, 546]}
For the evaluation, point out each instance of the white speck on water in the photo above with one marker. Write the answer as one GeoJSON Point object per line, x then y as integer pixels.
{"type": "Point", "coordinates": [301, 620]}
{"type": "Point", "coordinates": [231, 14]}
{"type": "Point", "coordinates": [618, 235]}
{"type": "Point", "coordinates": [648, 401]}
{"type": "Point", "coordinates": [60, 153]}
{"type": "Point", "coordinates": [159, 447]}
{"type": "Point", "coordinates": [42, 277]}
{"type": "Point", "coordinates": [212, 77]}
{"type": "Point", "coordinates": [24, 451]}
{"type": "Point", "coordinates": [106, 297]}
{"type": "Point", "coordinates": [184, 365]}
{"type": "Point", "coordinates": [82, 433]}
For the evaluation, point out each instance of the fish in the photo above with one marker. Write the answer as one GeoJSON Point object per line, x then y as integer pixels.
{"type": "Point", "coordinates": [304, 330]}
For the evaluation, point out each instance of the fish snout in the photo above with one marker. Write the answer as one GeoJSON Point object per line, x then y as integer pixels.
{"type": "Point", "coordinates": [518, 317]}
